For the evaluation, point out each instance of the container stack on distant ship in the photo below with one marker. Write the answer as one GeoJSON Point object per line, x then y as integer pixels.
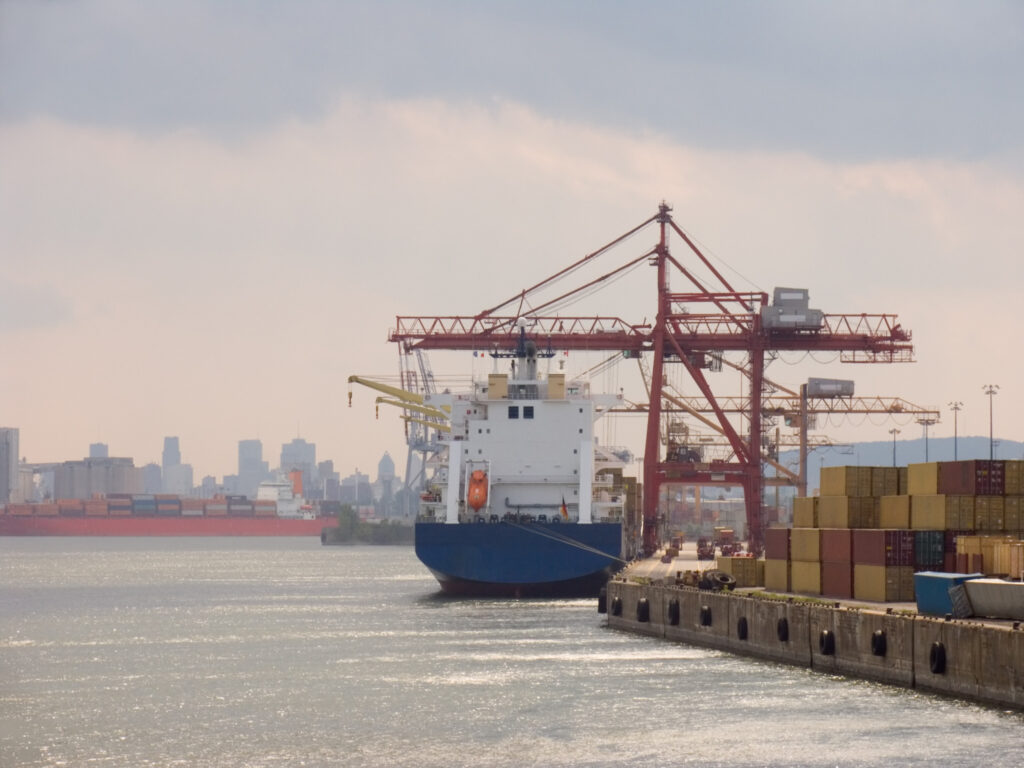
{"type": "Point", "coordinates": [872, 528]}
{"type": "Point", "coordinates": [122, 514]}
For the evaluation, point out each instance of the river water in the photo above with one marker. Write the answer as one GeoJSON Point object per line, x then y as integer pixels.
{"type": "Point", "coordinates": [280, 652]}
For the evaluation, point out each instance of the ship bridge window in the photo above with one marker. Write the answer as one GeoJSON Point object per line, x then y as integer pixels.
{"type": "Point", "coordinates": [527, 411]}
{"type": "Point", "coordinates": [513, 411]}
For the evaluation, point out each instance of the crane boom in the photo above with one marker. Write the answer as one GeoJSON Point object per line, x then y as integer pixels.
{"type": "Point", "coordinates": [387, 389]}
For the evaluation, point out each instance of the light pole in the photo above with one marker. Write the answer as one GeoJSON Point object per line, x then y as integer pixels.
{"type": "Point", "coordinates": [955, 407]}
{"type": "Point", "coordinates": [926, 422]}
{"type": "Point", "coordinates": [894, 432]}
{"type": "Point", "coordinates": [991, 390]}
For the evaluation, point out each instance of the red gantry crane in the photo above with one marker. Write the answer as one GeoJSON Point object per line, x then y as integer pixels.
{"type": "Point", "coordinates": [693, 329]}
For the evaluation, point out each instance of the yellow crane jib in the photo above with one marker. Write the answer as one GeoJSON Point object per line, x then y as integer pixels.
{"type": "Point", "coordinates": [430, 424]}
{"type": "Point", "coordinates": [387, 389]}
{"type": "Point", "coordinates": [427, 410]}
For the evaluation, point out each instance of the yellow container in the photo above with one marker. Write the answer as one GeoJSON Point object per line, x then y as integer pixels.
{"type": "Point", "coordinates": [805, 544]}
{"type": "Point", "coordinates": [883, 583]}
{"type": "Point", "coordinates": [833, 512]}
{"type": "Point", "coordinates": [743, 569]}
{"type": "Point", "coordinates": [968, 545]}
{"type": "Point", "coordinates": [845, 481]}
{"type": "Point", "coordinates": [965, 519]}
{"type": "Point", "coordinates": [777, 575]}
{"type": "Point", "coordinates": [806, 578]}
{"type": "Point", "coordinates": [1011, 513]}
{"type": "Point", "coordinates": [894, 512]}
{"type": "Point", "coordinates": [923, 479]}
{"type": "Point", "coordinates": [805, 512]}
{"type": "Point", "coordinates": [928, 512]}
{"type": "Point", "coordinates": [988, 514]}
{"type": "Point", "coordinates": [885, 481]}
{"type": "Point", "coordinates": [848, 512]}
{"type": "Point", "coordinates": [1013, 478]}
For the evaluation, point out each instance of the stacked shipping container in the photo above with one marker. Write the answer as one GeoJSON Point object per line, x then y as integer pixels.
{"type": "Point", "coordinates": [876, 526]}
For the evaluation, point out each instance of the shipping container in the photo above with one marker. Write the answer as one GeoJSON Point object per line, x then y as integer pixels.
{"type": "Point", "coordinates": [836, 545]}
{"type": "Point", "coordinates": [988, 514]}
{"type": "Point", "coordinates": [885, 481]}
{"type": "Point", "coordinates": [837, 580]}
{"type": "Point", "coordinates": [894, 511]}
{"type": "Point", "coordinates": [805, 577]}
{"type": "Point", "coordinates": [928, 512]}
{"type": "Point", "coordinates": [1013, 478]}
{"type": "Point", "coordinates": [776, 543]}
{"type": "Point", "coordinates": [805, 512]}
{"type": "Point", "coordinates": [883, 547]}
{"type": "Point", "coordinates": [845, 481]}
{"type": "Point", "coordinates": [923, 479]}
{"type": "Point", "coordinates": [848, 512]}
{"type": "Point", "coordinates": [931, 591]}
{"type": "Point", "coordinates": [805, 544]}
{"type": "Point", "coordinates": [777, 575]}
{"type": "Point", "coordinates": [883, 583]}
{"type": "Point", "coordinates": [929, 549]}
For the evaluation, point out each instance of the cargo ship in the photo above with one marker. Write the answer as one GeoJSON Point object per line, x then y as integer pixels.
{"type": "Point", "coordinates": [162, 515]}
{"type": "Point", "coordinates": [522, 501]}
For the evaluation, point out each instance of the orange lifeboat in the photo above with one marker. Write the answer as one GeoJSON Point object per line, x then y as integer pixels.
{"type": "Point", "coordinates": [476, 495]}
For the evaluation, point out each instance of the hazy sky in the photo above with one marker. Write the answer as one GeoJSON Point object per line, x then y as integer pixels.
{"type": "Point", "coordinates": [212, 213]}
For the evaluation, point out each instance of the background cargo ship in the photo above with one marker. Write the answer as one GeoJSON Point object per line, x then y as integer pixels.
{"type": "Point", "coordinates": [165, 515]}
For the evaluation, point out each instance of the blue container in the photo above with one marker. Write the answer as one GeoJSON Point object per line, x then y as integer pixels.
{"type": "Point", "coordinates": [932, 590]}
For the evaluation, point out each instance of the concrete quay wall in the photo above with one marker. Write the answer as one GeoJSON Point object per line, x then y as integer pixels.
{"type": "Point", "coordinates": [961, 658]}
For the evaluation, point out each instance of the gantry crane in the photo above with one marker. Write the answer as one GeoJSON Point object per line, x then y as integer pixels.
{"type": "Point", "coordinates": [693, 329]}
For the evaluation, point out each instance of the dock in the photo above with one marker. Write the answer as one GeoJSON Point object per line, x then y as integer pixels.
{"type": "Point", "coordinates": [980, 660]}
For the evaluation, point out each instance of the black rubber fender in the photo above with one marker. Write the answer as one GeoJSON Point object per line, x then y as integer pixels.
{"type": "Point", "coordinates": [705, 615]}
{"type": "Point", "coordinates": [879, 644]}
{"type": "Point", "coordinates": [827, 642]}
{"type": "Point", "coordinates": [616, 606]}
{"type": "Point", "coordinates": [643, 610]}
{"type": "Point", "coordinates": [937, 658]}
{"type": "Point", "coordinates": [782, 629]}
{"type": "Point", "coordinates": [673, 613]}
{"type": "Point", "coordinates": [602, 600]}
{"type": "Point", "coordinates": [742, 628]}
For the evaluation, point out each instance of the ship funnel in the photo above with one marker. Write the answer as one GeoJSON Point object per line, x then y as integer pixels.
{"type": "Point", "coordinates": [296, 477]}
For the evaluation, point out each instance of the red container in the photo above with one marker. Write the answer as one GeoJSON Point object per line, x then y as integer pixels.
{"type": "Point", "coordinates": [837, 579]}
{"type": "Point", "coordinates": [978, 477]}
{"type": "Point", "coordinates": [883, 547]}
{"type": "Point", "coordinates": [837, 547]}
{"type": "Point", "coordinates": [949, 562]}
{"type": "Point", "coordinates": [776, 543]}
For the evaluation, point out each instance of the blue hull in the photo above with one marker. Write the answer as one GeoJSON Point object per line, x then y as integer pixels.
{"type": "Point", "coordinates": [520, 559]}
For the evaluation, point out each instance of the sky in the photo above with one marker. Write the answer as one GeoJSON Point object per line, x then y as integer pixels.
{"type": "Point", "coordinates": [211, 214]}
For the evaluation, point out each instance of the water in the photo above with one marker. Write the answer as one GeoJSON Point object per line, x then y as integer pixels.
{"type": "Point", "coordinates": [280, 652]}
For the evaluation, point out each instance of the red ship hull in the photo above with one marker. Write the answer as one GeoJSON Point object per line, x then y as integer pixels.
{"type": "Point", "coordinates": [162, 526]}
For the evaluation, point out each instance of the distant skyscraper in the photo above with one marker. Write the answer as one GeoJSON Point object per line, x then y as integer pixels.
{"type": "Point", "coordinates": [9, 486]}
{"type": "Point", "coordinates": [252, 469]}
{"type": "Point", "coordinates": [152, 479]}
{"type": "Point", "coordinates": [99, 451]}
{"type": "Point", "coordinates": [172, 453]}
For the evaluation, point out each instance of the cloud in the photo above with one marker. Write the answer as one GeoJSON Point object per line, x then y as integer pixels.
{"type": "Point", "coordinates": [224, 290]}
{"type": "Point", "coordinates": [27, 307]}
